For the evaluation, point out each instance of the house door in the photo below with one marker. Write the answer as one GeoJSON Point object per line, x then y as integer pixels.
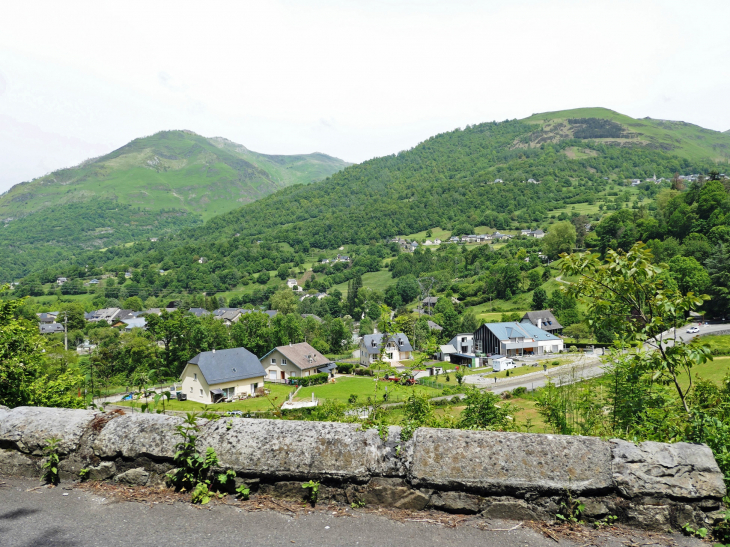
{"type": "Point", "coordinates": [283, 375]}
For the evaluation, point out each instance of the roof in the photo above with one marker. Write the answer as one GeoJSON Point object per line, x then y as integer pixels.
{"type": "Point", "coordinates": [434, 326]}
{"type": "Point", "coordinates": [505, 331]}
{"type": "Point", "coordinates": [317, 318]}
{"type": "Point", "coordinates": [227, 365]}
{"type": "Point", "coordinates": [48, 329]}
{"type": "Point", "coordinates": [547, 317]}
{"type": "Point", "coordinates": [199, 312]}
{"type": "Point", "coordinates": [368, 339]}
{"type": "Point", "coordinates": [136, 322]}
{"type": "Point", "coordinates": [430, 300]}
{"type": "Point", "coordinates": [301, 355]}
{"type": "Point", "coordinates": [448, 348]}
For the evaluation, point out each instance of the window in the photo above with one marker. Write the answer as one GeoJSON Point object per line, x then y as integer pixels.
{"type": "Point", "coordinates": [191, 389]}
{"type": "Point", "coordinates": [201, 391]}
{"type": "Point", "coordinates": [272, 374]}
{"type": "Point", "coordinates": [283, 361]}
{"type": "Point", "coordinates": [228, 392]}
{"type": "Point", "coordinates": [273, 360]}
{"type": "Point", "coordinates": [195, 377]}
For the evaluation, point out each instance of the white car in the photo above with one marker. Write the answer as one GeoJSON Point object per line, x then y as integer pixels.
{"type": "Point", "coordinates": [693, 330]}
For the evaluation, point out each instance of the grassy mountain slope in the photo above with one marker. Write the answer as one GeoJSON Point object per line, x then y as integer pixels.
{"type": "Point", "coordinates": [446, 181]}
{"type": "Point", "coordinates": [171, 170]}
{"type": "Point", "coordinates": [683, 139]}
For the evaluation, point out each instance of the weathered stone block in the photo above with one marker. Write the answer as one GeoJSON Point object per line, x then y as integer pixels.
{"type": "Point", "coordinates": [291, 490]}
{"type": "Point", "coordinates": [457, 502]}
{"type": "Point", "coordinates": [103, 471]}
{"type": "Point", "coordinates": [29, 428]}
{"type": "Point", "coordinates": [14, 463]}
{"type": "Point", "coordinates": [304, 450]}
{"type": "Point", "coordinates": [135, 435]}
{"type": "Point", "coordinates": [680, 470]}
{"type": "Point", "coordinates": [651, 517]}
{"type": "Point", "coordinates": [391, 492]}
{"type": "Point", "coordinates": [593, 508]}
{"type": "Point", "coordinates": [134, 477]}
{"type": "Point", "coordinates": [492, 462]}
{"type": "Point", "coordinates": [513, 509]}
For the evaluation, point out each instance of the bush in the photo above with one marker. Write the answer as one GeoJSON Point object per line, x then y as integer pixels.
{"type": "Point", "coordinates": [345, 368]}
{"type": "Point", "coordinates": [312, 380]}
{"type": "Point", "coordinates": [519, 391]}
{"type": "Point", "coordinates": [573, 349]}
{"type": "Point", "coordinates": [360, 371]}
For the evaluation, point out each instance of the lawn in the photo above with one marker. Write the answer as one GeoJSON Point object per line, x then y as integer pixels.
{"type": "Point", "coordinates": [278, 395]}
{"type": "Point", "coordinates": [714, 371]}
{"type": "Point", "coordinates": [363, 387]}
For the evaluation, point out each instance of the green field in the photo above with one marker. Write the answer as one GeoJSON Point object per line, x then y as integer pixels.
{"type": "Point", "coordinates": [363, 387]}
{"type": "Point", "coordinates": [278, 395]}
{"type": "Point", "coordinates": [378, 281]}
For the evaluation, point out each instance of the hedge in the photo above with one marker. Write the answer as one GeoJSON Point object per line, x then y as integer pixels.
{"type": "Point", "coordinates": [312, 380]}
{"type": "Point", "coordinates": [345, 368]}
{"type": "Point", "coordinates": [360, 371]}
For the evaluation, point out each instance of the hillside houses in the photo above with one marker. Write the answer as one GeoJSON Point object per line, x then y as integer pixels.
{"type": "Point", "coordinates": [397, 348]}
{"type": "Point", "coordinates": [515, 339]}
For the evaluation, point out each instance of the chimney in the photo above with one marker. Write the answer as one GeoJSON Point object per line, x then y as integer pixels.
{"type": "Point", "coordinates": [539, 323]}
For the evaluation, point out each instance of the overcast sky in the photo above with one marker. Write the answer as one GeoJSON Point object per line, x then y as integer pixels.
{"type": "Point", "coordinates": [354, 79]}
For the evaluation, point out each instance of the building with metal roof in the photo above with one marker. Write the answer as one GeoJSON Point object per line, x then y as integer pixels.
{"type": "Point", "coordinates": [515, 339]}
{"type": "Point", "coordinates": [211, 376]}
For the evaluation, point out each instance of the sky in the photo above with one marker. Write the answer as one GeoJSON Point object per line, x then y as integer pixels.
{"type": "Point", "coordinates": [353, 79]}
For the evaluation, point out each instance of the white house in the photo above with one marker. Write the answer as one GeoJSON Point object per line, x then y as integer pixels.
{"type": "Point", "coordinates": [397, 348]}
{"type": "Point", "coordinates": [61, 280]}
{"type": "Point", "coordinates": [294, 360]}
{"type": "Point", "coordinates": [211, 376]}
{"type": "Point", "coordinates": [291, 283]}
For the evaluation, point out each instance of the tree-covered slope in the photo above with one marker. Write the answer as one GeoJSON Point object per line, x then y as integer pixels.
{"type": "Point", "coordinates": [171, 170]}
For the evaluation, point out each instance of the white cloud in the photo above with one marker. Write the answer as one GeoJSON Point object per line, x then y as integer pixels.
{"type": "Point", "coordinates": [352, 79]}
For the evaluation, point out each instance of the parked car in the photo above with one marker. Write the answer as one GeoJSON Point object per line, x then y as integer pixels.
{"type": "Point", "coordinates": [693, 330]}
{"type": "Point", "coordinates": [234, 413]}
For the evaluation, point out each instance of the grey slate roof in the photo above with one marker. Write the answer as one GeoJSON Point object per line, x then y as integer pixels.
{"type": "Point", "coordinates": [548, 321]}
{"type": "Point", "coordinates": [228, 365]}
{"type": "Point", "coordinates": [199, 312]}
{"type": "Point", "coordinates": [49, 329]}
{"type": "Point", "coordinates": [378, 339]}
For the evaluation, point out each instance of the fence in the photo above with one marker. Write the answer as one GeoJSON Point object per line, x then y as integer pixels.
{"type": "Point", "coordinates": [427, 382]}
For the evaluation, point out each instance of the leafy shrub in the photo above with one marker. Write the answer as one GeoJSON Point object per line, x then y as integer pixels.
{"type": "Point", "coordinates": [50, 466]}
{"type": "Point", "coordinates": [312, 380]}
{"type": "Point", "coordinates": [360, 371]}
{"type": "Point", "coordinates": [519, 391]}
{"type": "Point", "coordinates": [345, 368]}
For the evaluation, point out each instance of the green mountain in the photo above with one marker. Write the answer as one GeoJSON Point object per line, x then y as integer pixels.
{"type": "Point", "coordinates": [148, 188]}
{"type": "Point", "coordinates": [448, 181]}
{"type": "Point", "coordinates": [683, 139]}
{"type": "Point", "coordinates": [171, 170]}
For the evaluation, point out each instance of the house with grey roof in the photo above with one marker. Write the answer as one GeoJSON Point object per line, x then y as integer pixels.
{"type": "Point", "coordinates": [212, 376]}
{"type": "Point", "coordinates": [397, 348]}
{"type": "Point", "coordinates": [543, 319]}
{"type": "Point", "coordinates": [50, 328]}
{"type": "Point", "coordinates": [199, 312]}
{"type": "Point", "coordinates": [515, 339]}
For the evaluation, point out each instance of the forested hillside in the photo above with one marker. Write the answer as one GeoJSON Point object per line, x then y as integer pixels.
{"type": "Point", "coordinates": [147, 188]}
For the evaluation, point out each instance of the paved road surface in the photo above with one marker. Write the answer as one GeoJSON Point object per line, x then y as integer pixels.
{"type": "Point", "coordinates": [47, 517]}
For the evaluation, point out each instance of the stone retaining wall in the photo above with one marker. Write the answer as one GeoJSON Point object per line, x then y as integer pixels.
{"type": "Point", "coordinates": [501, 475]}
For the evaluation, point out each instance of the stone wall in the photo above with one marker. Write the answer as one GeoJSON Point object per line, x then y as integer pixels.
{"type": "Point", "coordinates": [500, 475]}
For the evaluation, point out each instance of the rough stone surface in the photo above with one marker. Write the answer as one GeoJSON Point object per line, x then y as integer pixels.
{"type": "Point", "coordinates": [29, 428]}
{"type": "Point", "coordinates": [510, 509]}
{"type": "Point", "coordinates": [13, 462]}
{"type": "Point", "coordinates": [680, 470]}
{"type": "Point", "coordinates": [135, 435]}
{"type": "Point", "coordinates": [457, 502]}
{"type": "Point", "coordinates": [651, 517]}
{"type": "Point", "coordinates": [593, 508]}
{"type": "Point", "coordinates": [391, 492]}
{"type": "Point", "coordinates": [291, 490]}
{"type": "Point", "coordinates": [304, 450]}
{"type": "Point", "coordinates": [135, 477]}
{"type": "Point", "coordinates": [491, 462]}
{"type": "Point", "coordinates": [103, 471]}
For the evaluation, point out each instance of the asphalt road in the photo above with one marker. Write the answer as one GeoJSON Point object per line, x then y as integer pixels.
{"type": "Point", "coordinates": [58, 517]}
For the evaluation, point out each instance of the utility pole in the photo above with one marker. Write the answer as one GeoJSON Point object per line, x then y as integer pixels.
{"type": "Point", "coordinates": [65, 330]}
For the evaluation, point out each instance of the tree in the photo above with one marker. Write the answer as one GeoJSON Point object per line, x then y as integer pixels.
{"type": "Point", "coordinates": [284, 301]}
{"type": "Point", "coordinates": [560, 239]}
{"type": "Point", "coordinates": [534, 278]}
{"type": "Point", "coordinates": [282, 272]}
{"type": "Point", "coordinates": [577, 331]}
{"type": "Point", "coordinates": [338, 335]}
{"type": "Point", "coordinates": [286, 329]}
{"type": "Point", "coordinates": [626, 293]}
{"type": "Point", "coordinates": [469, 321]}
{"type": "Point", "coordinates": [485, 410]}
{"type": "Point", "coordinates": [539, 299]}
{"type": "Point", "coordinates": [25, 367]}
{"type": "Point", "coordinates": [718, 268]}
{"type": "Point", "coordinates": [252, 331]}
{"type": "Point", "coordinates": [407, 288]}
{"type": "Point", "coordinates": [263, 278]}
{"type": "Point", "coordinates": [689, 274]}
{"type": "Point", "coordinates": [134, 303]}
